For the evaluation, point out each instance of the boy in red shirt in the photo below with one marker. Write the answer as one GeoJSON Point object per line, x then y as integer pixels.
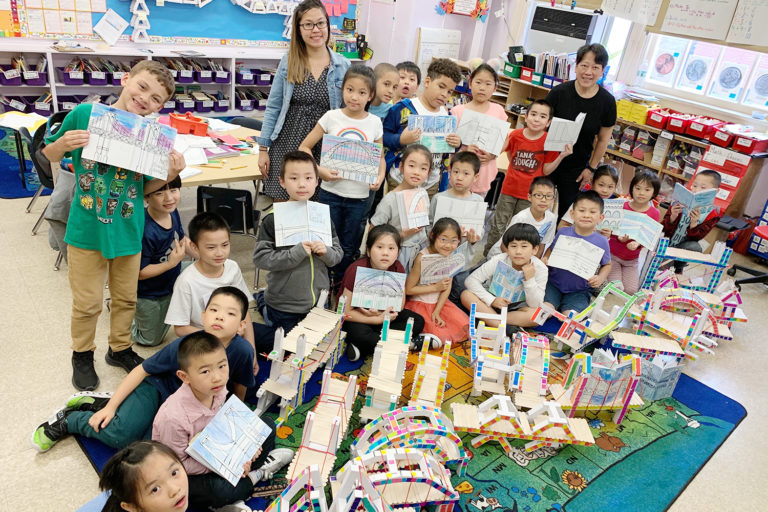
{"type": "Point", "coordinates": [527, 160]}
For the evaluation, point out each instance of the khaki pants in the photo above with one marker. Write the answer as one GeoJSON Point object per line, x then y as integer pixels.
{"type": "Point", "coordinates": [506, 208]}
{"type": "Point", "coordinates": [87, 269]}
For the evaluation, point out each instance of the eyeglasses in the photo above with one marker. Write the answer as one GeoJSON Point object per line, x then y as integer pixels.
{"type": "Point", "coordinates": [586, 67]}
{"type": "Point", "coordinates": [309, 26]}
{"type": "Point", "coordinates": [449, 241]}
{"type": "Point", "coordinates": [543, 196]}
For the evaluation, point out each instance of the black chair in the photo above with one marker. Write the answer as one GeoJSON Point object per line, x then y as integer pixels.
{"type": "Point", "coordinates": [43, 169]}
{"type": "Point", "coordinates": [759, 275]}
{"type": "Point", "coordinates": [247, 122]}
{"type": "Point", "coordinates": [235, 205]}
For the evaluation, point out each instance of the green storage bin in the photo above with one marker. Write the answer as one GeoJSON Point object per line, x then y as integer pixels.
{"type": "Point", "coordinates": [512, 70]}
{"type": "Point", "coordinates": [537, 78]}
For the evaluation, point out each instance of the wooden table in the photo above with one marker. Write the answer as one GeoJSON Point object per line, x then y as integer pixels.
{"type": "Point", "coordinates": [238, 168]}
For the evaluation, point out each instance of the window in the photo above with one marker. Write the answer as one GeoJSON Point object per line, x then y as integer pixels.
{"type": "Point", "coordinates": [615, 42]}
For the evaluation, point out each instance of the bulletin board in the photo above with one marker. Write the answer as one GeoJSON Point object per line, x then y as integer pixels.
{"type": "Point", "coordinates": [217, 22]}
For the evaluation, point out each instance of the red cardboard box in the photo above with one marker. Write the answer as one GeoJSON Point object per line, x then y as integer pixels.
{"type": "Point", "coordinates": [658, 117]}
{"type": "Point", "coordinates": [751, 144]}
{"type": "Point", "coordinates": [703, 126]}
{"type": "Point", "coordinates": [678, 122]}
{"type": "Point", "coordinates": [721, 137]}
{"type": "Point", "coordinates": [526, 74]}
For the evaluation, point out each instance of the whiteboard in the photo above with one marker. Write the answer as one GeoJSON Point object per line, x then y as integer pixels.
{"type": "Point", "coordinates": [436, 43]}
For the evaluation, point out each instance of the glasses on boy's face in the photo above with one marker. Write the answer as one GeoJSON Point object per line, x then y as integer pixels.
{"type": "Point", "coordinates": [309, 26]}
{"type": "Point", "coordinates": [543, 196]}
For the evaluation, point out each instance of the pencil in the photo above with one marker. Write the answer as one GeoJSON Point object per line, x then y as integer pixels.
{"type": "Point", "coordinates": [238, 167]}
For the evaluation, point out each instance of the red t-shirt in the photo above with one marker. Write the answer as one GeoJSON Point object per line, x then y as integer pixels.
{"type": "Point", "coordinates": [619, 249]}
{"type": "Point", "coordinates": [526, 162]}
{"type": "Point", "coordinates": [348, 282]}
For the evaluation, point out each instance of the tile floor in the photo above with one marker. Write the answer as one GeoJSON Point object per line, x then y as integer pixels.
{"type": "Point", "coordinates": [35, 302]}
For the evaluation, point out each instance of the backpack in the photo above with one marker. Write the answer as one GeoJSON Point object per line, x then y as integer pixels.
{"type": "Point", "coordinates": [39, 160]}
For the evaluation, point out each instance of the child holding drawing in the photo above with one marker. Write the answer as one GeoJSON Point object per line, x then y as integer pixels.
{"type": "Point", "coordinates": [348, 198]}
{"type": "Point", "coordinates": [625, 252]}
{"type": "Point", "coordinates": [515, 279]}
{"type": "Point", "coordinates": [363, 326]}
{"type": "Point", "coordinates": [482, 82]}
{"type": "Point", "coordinates": [604, 181]}
{"type": "Point", "coordinates": [441, 316]}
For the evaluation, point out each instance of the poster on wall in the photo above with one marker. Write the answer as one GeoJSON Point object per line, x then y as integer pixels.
{"type": "Point", "coordinates": [732, 73]}
{"type": "Point", "coordinates": [748, 24]}
{"type": "Point", "coordinates": [707, 19]}
{"type": "Point", "coordinates": [667, 60]}
{"type": "Point", "coordinates": [639, 11]}
{"type": "Point", "coordinates": [756, 94]}
{"type": "Point", "coordinates": [698, 67]}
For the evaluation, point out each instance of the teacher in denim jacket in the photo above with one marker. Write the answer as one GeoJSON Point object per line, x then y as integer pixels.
{"type": "Point", "coordinates": [307, 85]}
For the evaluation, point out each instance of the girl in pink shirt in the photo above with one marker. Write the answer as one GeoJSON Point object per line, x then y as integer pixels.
{"type": "Point", "coordinates": [625, 252]}
{"type": "Point", "coordinates": [482, 82]}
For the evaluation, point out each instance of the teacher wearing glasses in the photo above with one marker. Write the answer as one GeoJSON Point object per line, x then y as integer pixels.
{"type": "Point", "coordinates": [307, 84]}
{"type": "Point", "coordinates": [569, 99]}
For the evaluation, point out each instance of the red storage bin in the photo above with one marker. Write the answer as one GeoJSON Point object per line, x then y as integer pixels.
{"type": "Point", "coordinates": [526, 74]}
{"type": "Point", "coordinates": [721, 137]}
{"type": "Point", "coordinates": [658, 117]}
{"type": "Point", "coordinates": [678, 122]}
{"type": "Point", "coordinates": [703, 126]}
{"type": "Point", "coordinates": [751, 144]}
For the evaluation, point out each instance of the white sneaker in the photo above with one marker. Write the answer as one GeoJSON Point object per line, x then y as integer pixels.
{"type": "Point", "coordinates": [276, 460]}
{"type": "Point", "coordinates": [238, 506]}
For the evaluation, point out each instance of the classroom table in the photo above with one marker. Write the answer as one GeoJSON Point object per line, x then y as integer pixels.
{"type": "Point", "coordinates": [233, 169]}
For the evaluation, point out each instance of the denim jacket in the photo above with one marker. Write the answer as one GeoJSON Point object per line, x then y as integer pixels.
{"type": "Point", "coordinates": [282, 90]}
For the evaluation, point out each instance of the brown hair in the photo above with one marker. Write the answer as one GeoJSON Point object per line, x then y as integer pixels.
{"type": "Point", "coordinates": [298, 67]}
{"type": "Point", "coordinates": [444, 67]}
{"type": "Point", "coordinates": [159, 71]}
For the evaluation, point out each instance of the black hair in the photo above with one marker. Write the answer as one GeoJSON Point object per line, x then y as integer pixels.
{"type": "Point", "coordinates": [711, 174]}
{"type": "Point", "coordinates": [444, 67]}
{"type": "Point", "coordinates": [206, 221]}
{"type": "Point", "coordinates": [606, 170]}
{"type": "Point", "coordinates": [174, 183]}
{"type": "Point", "coordinates": [196, 344]}
{"type": "Point", "coordinates": [541, 181]}
{"type": "Point", "coordinates": [441, 225]}
{"type": "Point", "coordinates": [297, 156]}
{"type": "Point", "coordinates": [467, 157]}
{"type": "Point", "coordinates": [235, 293]}
{"type": "Point", "coordinates": [410, 67]}
{"type": "Point", "coordinates": [601, 54]}
{"type": "Point", "coordinates": [589, 195]}
{"type": "Point", "coordinates": [365, 73]}
{"type": "Point", "coordinates": [543, 103]}
{"type": "Point", "coordinates": [381, 230]}
{"type": "Point", "coordinates": [521, 232]}
{"type": "Point", "coordinates": [413, 148]}
{"type": "Point", "coordinates": [122, 473]}
{"type": "Point", "coordinates": [644, 176]}
{"type": "Point", "coordinates": [488, 69]}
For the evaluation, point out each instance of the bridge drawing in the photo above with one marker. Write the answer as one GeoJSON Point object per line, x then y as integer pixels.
{"type": "Point", "coordinates": [355, 160]}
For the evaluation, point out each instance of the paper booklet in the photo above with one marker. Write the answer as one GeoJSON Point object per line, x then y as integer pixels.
{"type": "Point", "coordinates": [435, 267]}
{"type": "Point", "coordinates": [129, 141]}
{"type": "Point", "coordinates": [612, 210]}
{"type": "Point", "coordinates": [486, 132]}
{"type": "Point", "coordinates": [703, 199]}
{"type": "Point", "coordinates": [434, 129]}
{"type": "Point", "coordinates": [355, 160]}
{"type": "Point", "coordinates": [413, 207]}
{"type": "Point", "coordinates": [378, 289]}
{"type": "Point", "coordinates": [507, 283]}
{"type": "Point", "coordinates": [562, 132]}
{"type": "Point", "coordinates": [232, 437]}
{"type": "Point", "coordinates": [469, 214]}
{"type": "Point", "coordinates": [576, 255]}
{"type": "Point", "coordinates": [302, 221]}
{"type": "Point", "coordinates": [640, 228]}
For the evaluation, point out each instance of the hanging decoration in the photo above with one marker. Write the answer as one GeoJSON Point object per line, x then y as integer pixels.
{"type": "Point", "coordinates": [476, 9]}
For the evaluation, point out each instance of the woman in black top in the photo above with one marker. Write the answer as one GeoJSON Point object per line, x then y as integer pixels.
{"type": "Point", "coordinates": [583, 95]}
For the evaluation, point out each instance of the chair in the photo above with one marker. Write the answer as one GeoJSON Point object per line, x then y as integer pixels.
{"type": "Point", "coordinates": [235, 205]}
{"type": "Point", "coordinates": [759, 276]}
{"type": "Point", "coordinates": [247, 122]}
{"type": "Point", "coordinates": [43, 172]}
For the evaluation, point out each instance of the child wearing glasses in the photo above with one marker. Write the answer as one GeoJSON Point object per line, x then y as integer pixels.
{"type": "Point", "coordinates": [527, 160]}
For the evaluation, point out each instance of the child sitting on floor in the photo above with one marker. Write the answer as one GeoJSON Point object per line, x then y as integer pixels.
{"type": "Point", "coordinates": [604, 182]}
{"type": "Point", "coordinates": [463, 174]}
{"type": "Point", "coordinates": [441, 317]}
{"type": "Point", "coordinates": [363, 326]}
{"type": "Point", "coordinates": [204, 371]}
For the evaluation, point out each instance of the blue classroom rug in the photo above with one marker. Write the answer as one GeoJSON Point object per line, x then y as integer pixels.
{"type": "Point", "coordinates": [651, 457]}
{"type": "Point", "coordinates": [11, 184]}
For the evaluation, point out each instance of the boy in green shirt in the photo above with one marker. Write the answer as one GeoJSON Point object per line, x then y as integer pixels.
{"type": "Point", "coordinates": [106, 223]}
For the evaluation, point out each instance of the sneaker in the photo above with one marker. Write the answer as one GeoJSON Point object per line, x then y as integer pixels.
{"type": "Point", "coordinates": [276, 460]}
{"type": "Point", "coordinates": [84, 375]}
{"type": "Point", "coordinates": [238, 506]}
{"type": "Point", "coordinates": [353, 353]}
{"type": "Point", "coordinates": [126, 359]}
{"type": "Point", "coordinates": [49, 433]}
{"type": "Point", "coordinates": [89, 401]}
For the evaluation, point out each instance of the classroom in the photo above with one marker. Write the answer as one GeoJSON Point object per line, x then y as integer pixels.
{"type": "Point", "coordinates": [463, 255]}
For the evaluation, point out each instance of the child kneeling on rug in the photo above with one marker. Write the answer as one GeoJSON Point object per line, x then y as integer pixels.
{"type": "Point", "coordinates": [204, 371]}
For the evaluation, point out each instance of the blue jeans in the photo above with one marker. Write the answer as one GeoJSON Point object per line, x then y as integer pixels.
{"type": "Point", "coordinates": [275, 318]}
{"type": "Point", "coordinates": [348, 216]}
{"type": "Point", "coordinates": [577, 301]}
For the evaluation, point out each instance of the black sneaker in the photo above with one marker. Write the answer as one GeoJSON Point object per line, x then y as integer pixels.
{"type": "Point", "coordinates": [88, 401]}
{"type": "Point", "coordinates": [84, 376]}
{"type": "Point", "coordinates": [353, 353]}
{"type": "Point", "coordinates": [126, 359]}
{"type": "Point", "coordinates": [49, 433]}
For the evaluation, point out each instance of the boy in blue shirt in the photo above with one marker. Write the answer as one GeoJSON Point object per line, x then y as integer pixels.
{"type": "Point", "coordinates": [127, 415]}
{"type": "Point", "coordinates": [162, 249]}
{"type": "Point", "coordinates": [565, 290]}
{"type": "Point", "coordinates": [387, 81]}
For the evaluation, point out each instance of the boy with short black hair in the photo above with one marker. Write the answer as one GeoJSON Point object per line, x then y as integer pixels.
{"type": "Point", "coordinates": [565, 290]}
{"type": "Point", "coordinates": [442, 77]}
{"type": "Point", "coordinates": [387, 80]}
{"type": "Point", "coordinates": [410, 79]}
{"type": "Point", "coordinates": [297, 274]}
{"type": "Point", "coordinates": [163, 247]}
{"type": "Point", "coordinates": [209, 239]}
{"type": "Point", "coordinates": [204, 371]}
{"type": "Point", "coordinates": [527, 160]}
{"type": "Point", "coordinates": [123, 417]}
{"type": "Point", "coordinates": [105, 227]}
{"type": "Point", "coordinates": [685, 228]}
